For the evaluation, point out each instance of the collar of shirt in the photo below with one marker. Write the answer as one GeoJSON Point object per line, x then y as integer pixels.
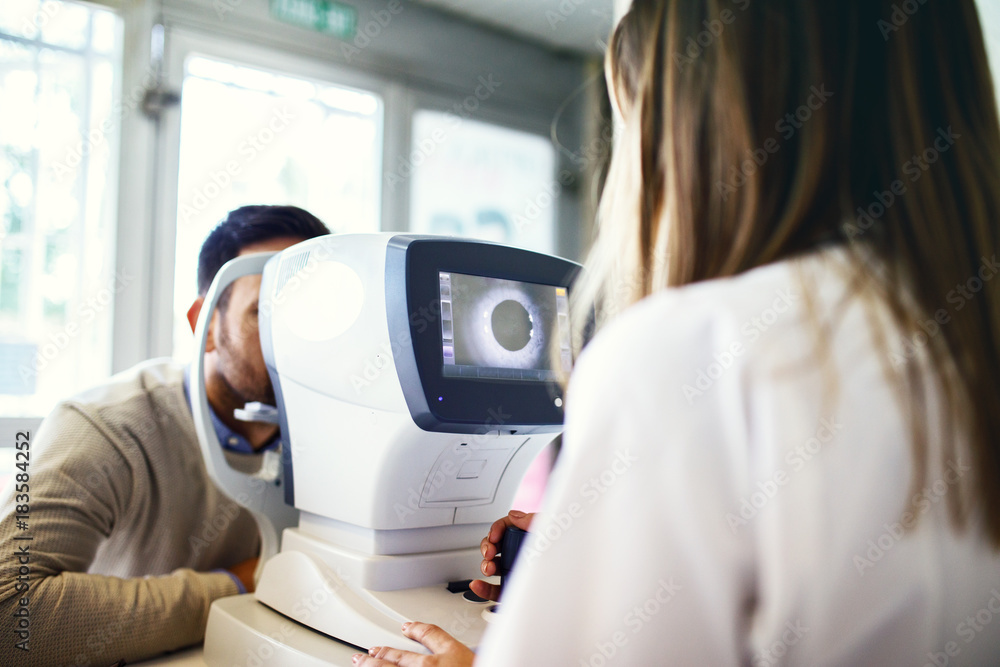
{"type": "Point", "coordinates": [228, 438]}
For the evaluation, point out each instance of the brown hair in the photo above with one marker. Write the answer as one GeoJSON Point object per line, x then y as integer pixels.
{"type": "Point", "coordinates": [759, 130]}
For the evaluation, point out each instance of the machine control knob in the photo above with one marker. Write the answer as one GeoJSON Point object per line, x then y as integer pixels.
{"type": "Point", "coordinates": [510, 544]}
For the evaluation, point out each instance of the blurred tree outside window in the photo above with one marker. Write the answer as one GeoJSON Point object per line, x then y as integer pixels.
{"type": "Point", "coordinates": [60, 73]}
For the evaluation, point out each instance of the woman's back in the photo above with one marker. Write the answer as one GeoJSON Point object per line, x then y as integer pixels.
{"type": "Point", "coordinates": [756, 468]}
{"type": "Point", "coordinates": [731, 492]}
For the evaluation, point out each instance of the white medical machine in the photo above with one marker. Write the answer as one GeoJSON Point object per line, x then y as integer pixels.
{"type": "Point", "coordinates": [416, 380]}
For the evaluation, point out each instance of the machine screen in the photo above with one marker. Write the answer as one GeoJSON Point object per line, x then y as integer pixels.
{"type": "Point", "coordinates": [493, 328]}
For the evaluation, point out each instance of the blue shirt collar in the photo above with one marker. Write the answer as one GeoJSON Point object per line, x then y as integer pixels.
{"type": "Point", "coordinates": [229, 439]}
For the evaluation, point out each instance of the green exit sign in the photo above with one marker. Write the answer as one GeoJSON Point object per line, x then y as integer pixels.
{"type": "Point", "coordinates": [328, 16]}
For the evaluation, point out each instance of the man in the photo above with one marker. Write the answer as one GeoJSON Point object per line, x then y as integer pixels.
{"type": "Point", "coordinates": [131, 541]}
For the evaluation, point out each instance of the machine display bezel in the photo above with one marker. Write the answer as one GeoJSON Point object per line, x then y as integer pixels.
{"type": "Point", "coordinates": [445, 403]}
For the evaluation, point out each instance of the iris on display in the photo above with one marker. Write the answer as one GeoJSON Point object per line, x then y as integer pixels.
{"type": "Point", "coordinates": [496, 328]}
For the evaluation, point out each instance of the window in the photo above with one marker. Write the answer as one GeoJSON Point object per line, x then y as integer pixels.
{"type": "Point", "coordinates": [481, 181]}
{"type": "Point", "coordinates": [59, 73]}
{"type": "Point", "coordinates": [251, 136]}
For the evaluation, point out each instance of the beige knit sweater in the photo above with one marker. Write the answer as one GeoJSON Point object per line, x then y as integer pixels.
{"type": "Point", "coordinates": [125, 525]}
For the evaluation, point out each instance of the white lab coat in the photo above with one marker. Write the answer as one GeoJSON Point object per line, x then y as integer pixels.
{"type": "Point", "coordinates": [712, 507]}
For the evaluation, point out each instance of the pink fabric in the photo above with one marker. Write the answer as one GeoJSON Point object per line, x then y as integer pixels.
{"type": "Point", "coordinates": [532, 490]}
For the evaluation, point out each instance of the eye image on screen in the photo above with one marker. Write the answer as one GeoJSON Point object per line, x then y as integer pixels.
{"type": "Point", "coordinates": [496, 328]}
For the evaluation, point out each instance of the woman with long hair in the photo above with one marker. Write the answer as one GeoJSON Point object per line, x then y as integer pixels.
{"type": "Point", "coordinates": [783, 444]}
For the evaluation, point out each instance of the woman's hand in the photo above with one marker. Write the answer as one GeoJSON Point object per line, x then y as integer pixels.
{"type": "Point", "coordinates": [447, 651]}
{"type": "Point", "coordinates": [489, 549]}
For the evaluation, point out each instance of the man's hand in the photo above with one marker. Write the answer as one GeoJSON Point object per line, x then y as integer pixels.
{"type": "Point", "coordinates": [447, 651]}
{"type": "Point", "coordinates": [244, 572]}
{"type": "Point", "coordinates": [488, 547]}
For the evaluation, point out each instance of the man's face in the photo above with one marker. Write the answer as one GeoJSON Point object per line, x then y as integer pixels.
{"type": "Point", "coordinates": [240, 361]}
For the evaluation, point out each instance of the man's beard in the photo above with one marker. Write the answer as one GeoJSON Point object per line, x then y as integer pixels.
{"type": "Point", "coordinates": [243, 387]}
{"type": "Point", "coordinates": [238, 376]}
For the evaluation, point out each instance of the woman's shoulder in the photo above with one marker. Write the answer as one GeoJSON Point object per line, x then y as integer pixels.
{"type": "Point", "coordinates": [713, 323]}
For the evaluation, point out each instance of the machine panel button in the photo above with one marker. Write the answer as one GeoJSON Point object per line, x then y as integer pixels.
{"type": "Point", "coordinates": [471, 469]}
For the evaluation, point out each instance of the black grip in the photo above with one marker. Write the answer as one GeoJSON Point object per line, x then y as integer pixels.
{"type": "Point", "coordinates": [510, 544]}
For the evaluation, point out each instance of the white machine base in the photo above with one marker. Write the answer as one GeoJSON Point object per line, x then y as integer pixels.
{"type": "Point", "coordinates": [246, 629]}
{"type": "Point", "coordinates": [242, 631]}
{"type": "Point", "coordinates": [307, 590]}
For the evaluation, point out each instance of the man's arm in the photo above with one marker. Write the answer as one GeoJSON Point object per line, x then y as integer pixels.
{"type": "Point", "coordinates": [80, 486]}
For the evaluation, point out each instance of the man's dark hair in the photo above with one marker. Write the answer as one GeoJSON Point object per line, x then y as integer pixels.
{"type": "Point", "coordinates": [248, 225]}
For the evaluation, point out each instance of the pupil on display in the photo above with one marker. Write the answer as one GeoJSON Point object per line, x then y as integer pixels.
{"type": "Point", "coordinates": [511, 325]}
